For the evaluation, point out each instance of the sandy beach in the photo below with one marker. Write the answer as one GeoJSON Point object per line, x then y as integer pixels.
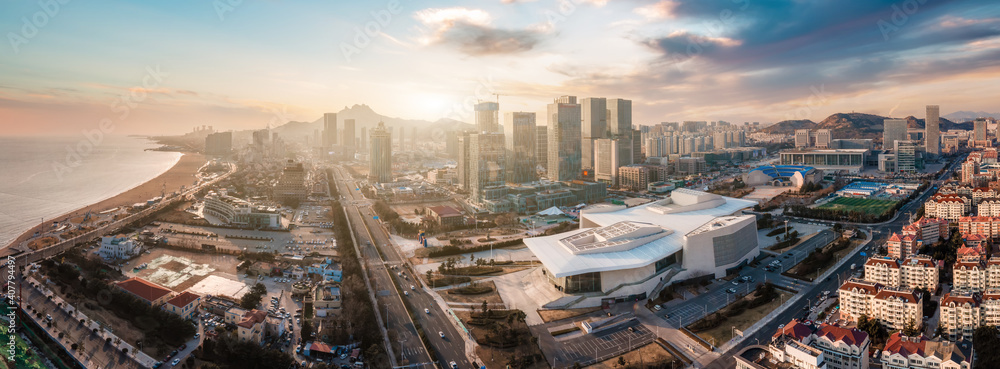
{"type": "Point", "coordinates": [181, 174]}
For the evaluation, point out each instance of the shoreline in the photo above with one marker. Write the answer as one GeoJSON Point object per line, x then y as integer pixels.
{"type": "Point", "coordinates": [182, 173]}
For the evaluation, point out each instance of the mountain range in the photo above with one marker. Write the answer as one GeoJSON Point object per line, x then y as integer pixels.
{"type": "Point", "coordinates": [365, 117]}
{"type": "Point", "coordinates": [965, 115]}
{"type": "Point", "coordinates": [857, 125]}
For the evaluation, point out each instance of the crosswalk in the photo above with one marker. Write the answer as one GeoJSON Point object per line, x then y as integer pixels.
{"type": "Point", "coordinates": [412, 351]}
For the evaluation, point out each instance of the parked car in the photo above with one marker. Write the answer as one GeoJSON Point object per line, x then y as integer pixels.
{"type": "Point", "coordinates": [441, 333]}
{"type": "Point", "coordinates": [731, 290]}
{"type": "Point", "coordinates": [428, 311]}
{"type": "Point", "coordinates": [175, 362]}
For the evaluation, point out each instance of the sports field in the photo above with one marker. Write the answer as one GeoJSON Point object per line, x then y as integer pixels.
{"type": "Point", "coordinates": [870, 206]}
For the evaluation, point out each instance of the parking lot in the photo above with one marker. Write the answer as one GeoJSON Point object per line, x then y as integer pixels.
{"type": "Point", "coordinates": [602, 345]}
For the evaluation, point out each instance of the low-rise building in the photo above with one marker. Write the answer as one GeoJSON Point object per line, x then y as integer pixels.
{"type": "Point", "coordinates": [932, 229]}
{"type": "Point", "coordinates": [184, 305]}
{"type": "Point", "coordinates": [328, 270]}
{"type": "Point", "coordinates": [984, 226]}
{"type": "Point", "coordinates": [989, 207]}
{"type": "Point", "coordinates": [326, 299]}
{"type": "Point", "coordinates": [949, 207]}
{"type": "Point", "coordinates": [902, 352]}
{"type": "Point", "coordinates": [883, 270]}
{"type": "Point", "coordinates": [251, 325]}
{"type": "Point", "coordinates": [150, 293]}
{"type": "Point", "coordinates": [900, 247]}
{"type": "Point", "coordinates": [843, 348]}
{"type": "Point", "coordinates": [446, 215]}
{"type": "Point", "coordinates": [118, 247]}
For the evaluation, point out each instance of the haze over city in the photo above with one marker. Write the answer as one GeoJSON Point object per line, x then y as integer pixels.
{"type": "Point", "coordinates": [234, 66]}
{"type": "Point", "coordinates": [500, 184]}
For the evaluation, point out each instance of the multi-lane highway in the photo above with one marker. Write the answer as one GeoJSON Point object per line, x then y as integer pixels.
{"type": "Point", "coordinates": [388, 267]}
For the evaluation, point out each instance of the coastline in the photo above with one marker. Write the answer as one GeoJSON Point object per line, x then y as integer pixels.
{"type": "Point", "coordinates": [182, 173]}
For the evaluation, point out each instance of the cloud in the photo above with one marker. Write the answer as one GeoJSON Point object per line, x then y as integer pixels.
{"type": "Point", "coordinates": [471, 31]}
{"type": "Point", "coordinates": [660, 10]}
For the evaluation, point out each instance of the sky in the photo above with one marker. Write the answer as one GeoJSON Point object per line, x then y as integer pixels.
{"type": "Point", "coordinates": [136, 67]}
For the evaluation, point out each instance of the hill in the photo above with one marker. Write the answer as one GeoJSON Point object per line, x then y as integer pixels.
{"type": "Point", "coordinates": [856, 125]}
{"type": "Point", "coordinates": [365, 117]}
{"type": "Point", "coordinates": [967, 116]}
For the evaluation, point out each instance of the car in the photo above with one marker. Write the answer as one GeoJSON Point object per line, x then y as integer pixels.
{"type": "Point", "coordinates": [175, 362]}
{"type": "Point", "coordinates": [197, 335]}
{"type": "Point", "coordinates": [736, 282]}
{"type": "Point", "coordinates": [745, 278]}
{"type": "Point", "coordinates": [657, 307]}
{"type": "Point", "coordinates": [428, 311]}
{"type": "Point", "coordinates": [48, 317]}
{"type": "Point", "coordinates": [406, 293]}
{"type": "Point", "coordinates": [184, 346]}
{"type": "Point", "coordinates": [731, 290]}
{"type": "Point", "coordinates": [441, 333]}
{"type": "Point", "coordinates": [173, 353]}
{"type": "Point", "coordinates": [453, 365]}
{"type": "Point", "coordinates": [781, 326]}
{"type": "Point", "coordinates": [412, 288]}
{"type": "Point", "coordinates": [298, 349]}
{"type": "Point", "coordinates": [157, 364]}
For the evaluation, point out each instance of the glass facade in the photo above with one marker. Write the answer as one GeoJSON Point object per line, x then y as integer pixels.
{"type": "Point", "coordinates": [842, 159]}
{"type": "Point", "coordinates": [730, 248]}
{"type": "Point", "coordinates": [666, 262]}
{"type": "Point", "coordinates": [587, 282]}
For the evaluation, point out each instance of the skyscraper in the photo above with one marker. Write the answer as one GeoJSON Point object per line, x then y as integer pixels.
{"type": "Point", "coordinates": [329, 129]}
{"type": "Point", "coordinates": [594, 115]}
{"type": "Point", "coordinates": [348, 139]}
{"type": "Point", "coordinates": [979, 129]}
{"type": "Point", "coordinates": [609, 155]}
{"type": "Point", "coordinates": [893, 130]}
{"type": "Point", "coordinates": [463, 160]}
{"type": "Point", "coordinates": [564, 158]}
{"type": "Point", "coordinates": [542, 146]}
{"type": "Point", "coordinates": [364, 138]}
{"type": "Point", "coordinates": [380, 158]}
{"type": "Point", "coordinates": [488, 117]}
{"type": "Point", "coordinates": [620, 118]}
{"type": "Point", "coordinates": [219, 144]}
{"type": "Point", "coordinates": [486, 167]}
{"type": "Point", "coordinates": [932, 130]}
{"type": "Point", "coordinates": [519, 143]}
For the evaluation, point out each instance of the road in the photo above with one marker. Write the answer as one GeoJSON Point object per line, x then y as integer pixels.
{"type": "Point", "coordinates": [371, 234]}
{"type": "Point", "coordinates": [880, 232]}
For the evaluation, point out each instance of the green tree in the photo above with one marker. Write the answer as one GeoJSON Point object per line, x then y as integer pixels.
{"type": "Point", "coordinates": [910, 329]}
{"type": "Point", "coordinates": [986, 344]}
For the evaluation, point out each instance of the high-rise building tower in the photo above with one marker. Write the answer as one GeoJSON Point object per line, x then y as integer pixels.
{"type": "Point", "coordinates": [932, 130]}
{"type": "Point", "coordinates": [364, 138]}
{"type": "Point", "coordinates": [486, 167]}
{"type": "Point", "coordinates": [609, 155]}
{"type": "Point", "coordinates": [402, 134]}
{"type": "Point", "coordinates": [802, 138]}
{"type": "Point", "coordinates": [564, 159]}
{"type": "Point", "coordinates": [893, 130]}
{"type": "Point", "coordinates": [348, 139]}
{"type": "Point", "coordinates": [380, 158]}
{"type": "Point", "coordinates": [823, 138]}
{"type": "Point", "coordinates": [463, 160]}
{"type": "Point", "coordinates": [620, 118]}
{"type": "Point", "coordinates": [519, 143]}
{"type": "Point", "coordinates": [488, 117]}
{"type": "Point", "coordinates": [979, 129]}
{"type": "Point", "coordinates": [329, 129]}
{"type": "Point", "coordinates": [542, 146]}
{"type": "Point", "coordinates": [594, 115]}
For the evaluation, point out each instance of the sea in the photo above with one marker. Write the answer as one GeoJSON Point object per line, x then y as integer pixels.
{"type": "Point", "coordinates": [44, 177]}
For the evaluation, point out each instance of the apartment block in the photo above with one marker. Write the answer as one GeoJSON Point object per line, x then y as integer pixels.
{"type": "Point", "coordinates": [969, 275]}
{"type": "Point", "coordinates": [900, 247]}
{"type": "Point", "coordinates": [842, 348]}
{"type": "Point", "coordinates": [893, 307]}
{"type": "Point", "coordinates": [902, 352]}
{"type": "Point", "coordinates": [961, 314]}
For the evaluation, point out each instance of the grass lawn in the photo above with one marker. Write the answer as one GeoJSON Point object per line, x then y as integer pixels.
{"type": "Point", "coordinates": [870, 206]}
{"type": "Point", "coordinates": [23, 358]}
{"type": "Point", "coordinates": [490, 297]}
{"type": "Point", "coordinates": [648, 354]}
{"type": "Point", "coordinates": [723, 333]}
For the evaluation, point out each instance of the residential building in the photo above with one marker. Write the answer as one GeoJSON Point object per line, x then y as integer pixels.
{"type": "Point", "coordinates": [610, 155]}
{"type": "Point", "coordinates": [634, 177]}
{"type": "Point", "coordinates": [291, 186]}
{"type": "Point", "coordinates": [487, 167]}
{"type": "Point", "coordinates": [594, 116]}
{"type": "Point", "coordinates": [329, 129]}
{"type": "Point", "coordinates": [842, 348]}
{"type": "Point", "coordinates": [150, 293]}
{"type": "Point", "coordinates": [961, 314]}
{"type": "Point", "coordinates": [979, 129]}
{"type": "Point", "coordinates": [920, 271]}
{"type": "Point", "coordinates": [969, 275]}
{"type": "Point", "coordinates": [893, 307]}
{"type": "Point", "coordinates": [251, 325]}
{"type": "Point", "coordinates": [326, 299]}
{"type": "Point", "coordinates": [989, 207]}
{"type": "Point", "coordinates": [464, 160]}
{"type": "Point", "coordinates": [775, 356]}
{"type": "Point", "coordinates": [327, 269]}
{"type": "Point", "coordinates": [348, 139]}
{"type": "Point", "coordinates": [931, 229]}
{"type": "Point", "coordinates": [902, 352]}
{"type": "Point", "coordinates": [883, 270]}
{"type": "Point", "coordinates": [991, 307]}
{"type": "Point", "coordinates": [948, 207]}
{"type": "Point", "coordinates": [564, 140]}
{"type": "Point", "coordinates": [984, 226]}
{"type": "Point", "coordinates": [519, 144]}
{"type": "Point", "coordinates": [380, 156]}
{"type": "Point", "coordinates": [691, 165]}
{"type": "Point", "coordinates": [184, 305]}
{"type": "Point", "coordinates": [119, 247]}
{"type": "Point", "coordinates": [900, 247]}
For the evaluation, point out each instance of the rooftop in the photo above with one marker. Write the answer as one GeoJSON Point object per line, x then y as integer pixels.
{"type": "Point", "coordinates": [183, 299]}
{"type": "Point", "coordinates": [144, 289]}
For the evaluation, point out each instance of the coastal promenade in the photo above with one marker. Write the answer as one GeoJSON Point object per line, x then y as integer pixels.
{"type": "Point", "coordinates": [23, 259]}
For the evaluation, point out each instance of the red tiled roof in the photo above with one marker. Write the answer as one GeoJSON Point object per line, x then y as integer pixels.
{"type": "Point", "coordinates": [445, 211]}
{"type": "Point", "coordinates": [890, 262]}
{"type": "Point", "coordinates": [834, 333]}
{"type": "Point", "coordinates": [894, 237]}
{"type": "Point", "coordinates": [960, 299]}
{"type": "Point", "coordinates": [251, 318]}
{"type": "Point", "coordinates": [795, 329]}
{"type": "Point", "coordinates": [921, 260]}
{"type": "Point", "coordinates": [183, 299]}
{"type": "Point", "coordinates": [908, 296]}
{"type": "Point", "coordinates": [321, 347]}
{"type": "Point", "coordinates": [968, 263]}
{"type": "Point", "coordinates": [899, 344]}
{"type": "Point", "coordinates": [144, 289]}
{"type": "Point", "coordinates": [868, 287]}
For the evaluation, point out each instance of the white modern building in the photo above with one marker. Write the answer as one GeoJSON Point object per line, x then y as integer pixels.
{"type": "Point", "coordinates": [621, 251]}
{"type": "Point", "coordinates": [118, 247]}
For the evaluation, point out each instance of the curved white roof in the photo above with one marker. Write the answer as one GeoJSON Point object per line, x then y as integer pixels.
{"type": "Point", "coordinates": [562, 262]}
